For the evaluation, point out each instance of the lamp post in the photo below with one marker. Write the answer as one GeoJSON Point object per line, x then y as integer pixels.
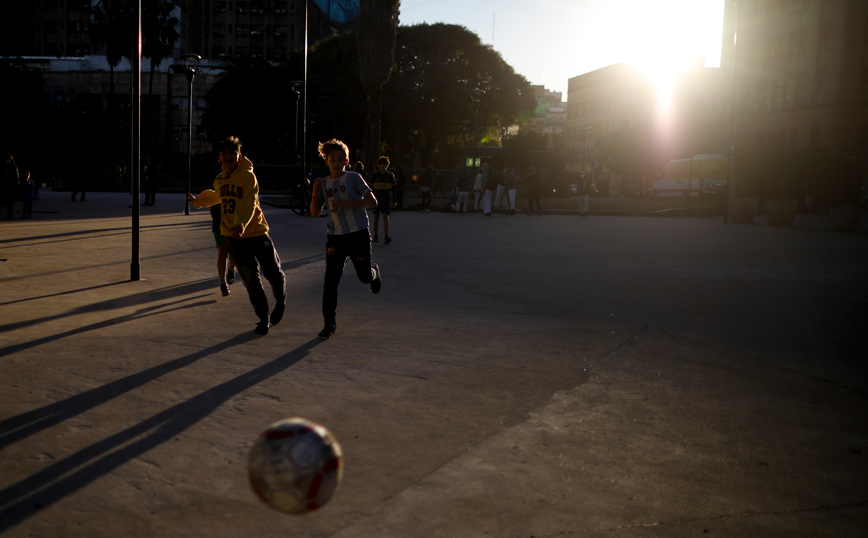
{"type": "Point", "coordinates": [476, 95]}
{"type": "Point", "coordinates": [296, 84]}
{"type": "Point", "coordinates": [191, 65]}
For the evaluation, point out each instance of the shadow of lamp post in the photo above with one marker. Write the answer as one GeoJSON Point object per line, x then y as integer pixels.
{"type": "Point", "coordinates": [191, 65]}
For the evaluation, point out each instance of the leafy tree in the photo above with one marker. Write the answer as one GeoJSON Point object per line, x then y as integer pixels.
{"type": "Point", "coordinates": [375, 40]}
{"type": "Point", "coordinates": [159, 33]}
{"type": "Point", "coordinates": [112, 28]}
{"type": "Point", "coordinates": [249, 100]}
{"type": "Point", "coordinates": [429, 92]}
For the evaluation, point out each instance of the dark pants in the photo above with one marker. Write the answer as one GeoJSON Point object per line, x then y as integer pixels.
{"type": "Point", "coordinates": [355, 246]}
{"type": "Point", "coordinates": [246, 253]}
{"type": "Point", "coordinates": [533, 199]}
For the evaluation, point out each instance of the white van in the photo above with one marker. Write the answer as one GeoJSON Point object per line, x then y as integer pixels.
{"type": "Point", "coordinates": [700, 175]}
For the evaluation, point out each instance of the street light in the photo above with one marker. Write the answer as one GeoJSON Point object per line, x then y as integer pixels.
{"type": "Point", "coordinates": [191, 65]}
{"type": "Point", "coordinates": [476, 95]}
{"type": "Point", "coordinates": [296, 84]}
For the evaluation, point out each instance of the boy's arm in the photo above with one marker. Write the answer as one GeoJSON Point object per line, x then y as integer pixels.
{"type": "Point", "coordinates": [315, 205]}
{"type": "Point", "coordinates": [204, 198]}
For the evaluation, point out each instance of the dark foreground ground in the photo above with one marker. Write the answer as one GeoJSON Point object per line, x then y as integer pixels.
{"type": "Point", "coordinates": [516, 377]}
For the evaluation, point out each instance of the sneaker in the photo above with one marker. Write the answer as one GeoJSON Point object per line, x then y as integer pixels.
{"type": "Point", "coordinates": [388, 240]}
{"type": "Point", "coordinates": [230, 277]}
{"type": "Point", "coordinates": [277, 313]}
{"type": "Point", "coordinates": [377, 283]}
{"type": "Point", "coordinates": [376, 239]}
{"type": "Point", "coordinates": [224, 290]}
{"type": "Point", "coordinates": [261, 327]}
{"type": "Point", "coordinates": [326, 332]}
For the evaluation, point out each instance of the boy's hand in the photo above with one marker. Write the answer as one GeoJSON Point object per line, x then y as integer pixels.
{"type": "Point", "coordinates": [190, 198]}
{"type": "Point", "coordinates": [316, 185]}
{"type": "Point", "coordinates": [236, 231]}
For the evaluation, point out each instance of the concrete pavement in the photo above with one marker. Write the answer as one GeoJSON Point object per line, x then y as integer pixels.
{"type": "Point", "coordinates": [516, 377]}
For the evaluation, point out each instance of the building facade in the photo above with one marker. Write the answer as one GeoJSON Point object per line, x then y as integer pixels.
{"type": "Point", "coordinates": [799, 73]}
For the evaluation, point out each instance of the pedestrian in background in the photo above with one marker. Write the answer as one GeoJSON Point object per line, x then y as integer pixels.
{"type": "Point", "coordinates": [490, 187]}
{"type": "Point", "coordinates": [463, 191]}
{"type": "Point", "coordinates": [11, 185]}
{"type": "Point", "coordinates": [383, 182]}
{"type": "Point", "coordinates": [28, 194]}
{"type": "Point", "coordinates": [510, 182]}
{"type": "Point", "coordinates": [478, 187]}
{"type": "Point", "coordinates": [534, 192]}
{"type": "Point", "coordinates": [425, 182]}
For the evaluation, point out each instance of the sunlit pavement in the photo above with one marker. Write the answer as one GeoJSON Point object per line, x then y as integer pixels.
{"type": "Point", "coordinates": [517, 376]}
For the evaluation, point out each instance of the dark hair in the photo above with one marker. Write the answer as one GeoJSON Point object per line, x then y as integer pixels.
{"type": "Point", "coordinates": [383, 160]}
{"type": "Point", "coordinates": [334, 144]}
{"type": "Point", "coordinates": [231, 143]}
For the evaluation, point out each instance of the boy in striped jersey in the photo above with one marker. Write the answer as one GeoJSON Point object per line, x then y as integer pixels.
{"type": "Point", "coordinates": [349, 198]}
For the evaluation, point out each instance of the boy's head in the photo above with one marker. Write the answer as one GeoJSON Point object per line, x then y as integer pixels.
{"type": "Point", "coordinates": [383, 163]}
{"type": "Point", "coordinates": [229, 153]}
{"type": "Point", "coordinates": [335, 153]}
{"type": "Point", "coordinates": [231, 143]}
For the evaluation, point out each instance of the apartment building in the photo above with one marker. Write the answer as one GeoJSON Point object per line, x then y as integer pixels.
{"type": "Point", "coordinates": [799, 72]}
{"type": "Point", "coordinates": [600, 102]}
{"type": "Point", "coordinates": [550, 115]}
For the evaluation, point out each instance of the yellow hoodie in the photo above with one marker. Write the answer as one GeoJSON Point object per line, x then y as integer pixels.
{"type": "Point", "coordinates": [238, 195]}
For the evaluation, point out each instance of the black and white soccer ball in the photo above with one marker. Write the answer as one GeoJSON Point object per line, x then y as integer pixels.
{"type": "Point", "coordinates": [295, 466]}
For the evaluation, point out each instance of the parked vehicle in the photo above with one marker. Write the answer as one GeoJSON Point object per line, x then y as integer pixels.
{"type": "Point", "coordinates": [700, 175]}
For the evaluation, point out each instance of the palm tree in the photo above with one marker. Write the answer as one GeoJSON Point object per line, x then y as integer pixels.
{"type": "Point", "coordinates": [112, 28]}
{"type": "Point", "coordinates": [375, 40]}
{"type": "Point", "coordinates": [159, 33]}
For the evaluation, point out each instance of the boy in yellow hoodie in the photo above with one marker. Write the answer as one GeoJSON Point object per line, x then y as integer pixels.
{"type": "Point", "coordinates": [246, 231]}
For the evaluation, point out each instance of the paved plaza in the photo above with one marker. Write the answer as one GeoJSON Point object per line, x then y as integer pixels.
{"type": "Point", "coordinates": [517, 377]}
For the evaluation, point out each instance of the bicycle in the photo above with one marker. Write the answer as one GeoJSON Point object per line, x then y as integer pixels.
{"type": "Point", "coordinates": [299, 198]}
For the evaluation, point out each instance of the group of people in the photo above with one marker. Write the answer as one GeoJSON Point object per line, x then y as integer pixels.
{"type": "Point", "coordinates": [243, 230]}
{"type": "Point", "coordinates": [491, 190]}
{"type": "Point", "coordinates": [17, 185]}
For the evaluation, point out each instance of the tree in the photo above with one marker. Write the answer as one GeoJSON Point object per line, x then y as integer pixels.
{"type": "Point", "coordinates": [375, 38]}
{"type": "Point", "coordinates": [112, 28]}
{"type": "Point", "coordinates": [159, 33]}
{"type": "Point", "coordinates": [429, 92]}
{"type": "Point", "coordinates": [249, 100]}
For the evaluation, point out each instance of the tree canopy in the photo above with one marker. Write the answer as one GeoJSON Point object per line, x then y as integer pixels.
{"type": "Point", "coordinates": [429, 92]}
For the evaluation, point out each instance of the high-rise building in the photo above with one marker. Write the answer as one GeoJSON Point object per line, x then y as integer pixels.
{"type": "Point", "coordinates": [797, 74]}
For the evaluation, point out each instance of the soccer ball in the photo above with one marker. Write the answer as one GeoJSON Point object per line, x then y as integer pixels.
{"type": "Point", "coordinates": [295, 466]}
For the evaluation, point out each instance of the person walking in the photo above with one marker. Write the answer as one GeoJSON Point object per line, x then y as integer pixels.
{"type": "Point", "coordinates": [510, 183]}
{"type": "Point", "coordinates": [224, 260]}
{"type": "Point", "coordinates": [425, 182]}
{"type": "Point", "coordinates": [348, 197]}
{"type": "Point", "coordinates": [236, 189]}
{"type": "Point", "coordinates": [478, 188]}
{"type": "Point", "coordinates": [461, 187]}
{"type": "Point", "coordinates": [383, 182]}
{"type": "Point", "coordinates": [28, 194]}
{"type": "Point", "coordinates": [490, 187]}
{"type": "Point", "coordinates": [534, 192]}
{"type": "Point", "coordinates": [501, 189]}
{"type": "Point", "coordinates": [11, 185]}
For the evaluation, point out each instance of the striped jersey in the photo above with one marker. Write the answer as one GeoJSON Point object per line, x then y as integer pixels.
{"type": "Point", "coordinates": [350, 186]}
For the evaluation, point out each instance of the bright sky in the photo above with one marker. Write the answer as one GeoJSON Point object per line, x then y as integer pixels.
{"type": "Point", "coordinates": [551, 41]}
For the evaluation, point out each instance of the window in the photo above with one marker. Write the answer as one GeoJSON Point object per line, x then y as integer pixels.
{"type": "Point", "coordinates": [220, 7]}
{"type": "Point", "coordinates": [176, 103]}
